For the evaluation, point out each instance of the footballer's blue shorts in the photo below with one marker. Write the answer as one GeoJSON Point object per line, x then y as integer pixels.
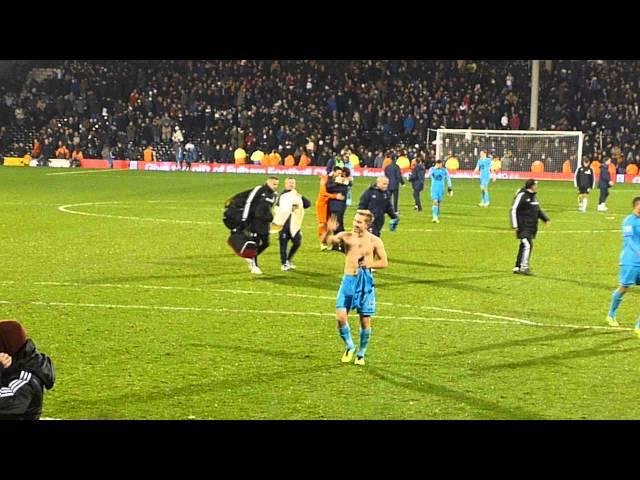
{"type": "Point", "coordinates": [629, 275]}
{"type": "Point", "coordinates": [484, 182]}
{"type": "Point", "coordinates": [345, 297]}
{"type": "Point", "coordinates": [437, 194]}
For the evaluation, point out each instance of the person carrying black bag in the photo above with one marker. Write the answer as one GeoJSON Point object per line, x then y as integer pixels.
{"type": "Point", "coordinates": [249, 214]}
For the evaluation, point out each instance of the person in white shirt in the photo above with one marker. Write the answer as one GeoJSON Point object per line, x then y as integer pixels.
{"type": "Point", "coordinates": [288, 217]}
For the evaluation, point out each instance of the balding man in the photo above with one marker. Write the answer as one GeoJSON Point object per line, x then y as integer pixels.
{"type": "Point", "coordinates": [377, 200]}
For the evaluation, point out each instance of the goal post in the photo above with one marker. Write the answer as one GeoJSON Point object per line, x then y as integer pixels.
{"type": "Point", "coordinates": [517, 149]}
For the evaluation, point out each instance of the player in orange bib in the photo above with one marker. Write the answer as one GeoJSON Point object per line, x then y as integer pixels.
{"type": "Point", "coordinates": [322, 206]}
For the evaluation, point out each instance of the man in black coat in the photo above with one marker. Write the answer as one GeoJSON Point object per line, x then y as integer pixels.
{"type": "Point", "coordinates": [377, 200]}
{"type": "Point", "coordinates": [394, 174]}
{"type": "Point", "coordinates": [584, 180]}
{"type": "Point", "coordinates": [603, 184]}
{"type": "Point", "coordinates": [24, 374]}
{"type": "Point", "coordinates": [339, 183]}
{"type": "Point", "coordinates": [525, 213]}
{"type": "Point", "coordinates": [417, 182]}
{"type": "Point", "coordinates": [252, 210]}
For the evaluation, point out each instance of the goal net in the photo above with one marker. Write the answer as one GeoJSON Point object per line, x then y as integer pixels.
{"type": "Point", "coordinates": [516, 149]}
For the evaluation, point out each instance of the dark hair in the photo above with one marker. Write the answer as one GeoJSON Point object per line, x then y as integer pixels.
{"type": "Point", "coordinates": [346, 172]}
{"type": "Point", "coordinates": [635, 201]}
{"type": "Point", "coordinates": [530, 183]}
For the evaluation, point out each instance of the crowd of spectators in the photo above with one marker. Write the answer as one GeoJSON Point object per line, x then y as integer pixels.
{"type": "Point", "coordinates": [308, 108]}
{"type": "Point", "coordinates": [315, 108]}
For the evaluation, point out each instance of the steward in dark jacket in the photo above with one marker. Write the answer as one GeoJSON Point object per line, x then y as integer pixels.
{"type": "Point", "coordinates": [377, 200]}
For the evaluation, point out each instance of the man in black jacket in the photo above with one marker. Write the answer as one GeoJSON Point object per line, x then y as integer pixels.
{"type": "Point", "coordinates": [603, 184]}
{"type": "Point", "coordinates": [584, 181]}
{"type": "Point", "coordinates": [417, 182]}
{"type": "Point", "coordinates": [377, 200]}
{"type": "Point", "coordinates": [24, 374]}
{"type": "Point", "coordinates": [394, 174]}
{"type": "Point", "coordinates": [339, 183]}
{"type": "Point", "coordinates": [252, 209]}
{"type": "Point", "coordinates": [525, 213]}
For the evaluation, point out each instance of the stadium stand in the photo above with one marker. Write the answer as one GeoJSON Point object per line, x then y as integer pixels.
{"type": "Point", "coordinates": [306, 107]}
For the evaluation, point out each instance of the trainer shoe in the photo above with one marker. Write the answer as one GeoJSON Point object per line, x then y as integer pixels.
{"type": "Point", "coordinates": [324, 248]}
{"type": "Point", "coordinates": [256, 270]}
{"type": "Point", "coordinates": [291, 265]}
{"type": "Point", "coordinates": [435, 220]}
{"type": "Point", "coordinates": [249, 263]}
{"type": "Point", "coordinates": [516, 270]}
{"type": "Point", "coordinates": [347, 356]}
{"type": "Point", "coordinates": [526, 271]}
{"type": "Point", "coordinates": [359, 361]}
{"type": "Point", "coordinates": [481, 204]}
{"type": "Point", "coordinates": [285, 267]}
{"type": "Point", "coordinates": [614, 323]}
{"type": "Point", "coordinates": [602, 208]}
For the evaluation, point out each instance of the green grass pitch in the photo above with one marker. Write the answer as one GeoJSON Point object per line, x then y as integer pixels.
{"type": "Point", "coordinates": [125, 280]}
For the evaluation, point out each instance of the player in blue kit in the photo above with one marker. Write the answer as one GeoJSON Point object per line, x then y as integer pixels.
{"type": "Point", "coordinates": [484, 167]}
{"type": "Point", "coordinates": [438, 175]}
{"type": "Point", "coordinates": [629, 263]}
{"type": "Point", "coordinates": [363, 253]}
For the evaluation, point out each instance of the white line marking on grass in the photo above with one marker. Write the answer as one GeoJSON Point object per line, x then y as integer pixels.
{"type": "Point", "coordinates": [495, 319]}
{"type": "Point", "coordinates": [304, 314]}
{"type": "Point", "coordinates": [65, 209]}
{"type": "Point", "coordinates": [295, 295]}
{"type": "Point", "coordinates": [505, 231]}
{"type": "Point", "coordinates": [85, 171]}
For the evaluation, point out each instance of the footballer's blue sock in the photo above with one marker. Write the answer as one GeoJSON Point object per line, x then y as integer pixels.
{"type": "Point", "coordinates": [434, 211]}
{"type": "Point", "coordinates": [345, 334]}
{"type": "Point", "coordinates": [438, 211]}
{"type": "Point", "coordinates": [616, 298]}
{"type": "Point", "coordinates": [365, 335]}
{"type": "Point", "coordinates": [482, 196]}
{"type": "Point", "coordinates": [486, 197]}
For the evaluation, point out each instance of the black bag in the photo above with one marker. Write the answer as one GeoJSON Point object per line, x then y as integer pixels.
{"type": "Point", "coordinates": [234, 209]}
{"type": "Point", "coordinates": [243, 243]}
{"type": "Point", "coordinates": [232, 217]}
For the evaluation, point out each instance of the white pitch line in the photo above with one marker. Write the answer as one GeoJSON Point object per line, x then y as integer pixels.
{"type": "Point", "coordinates": [85, 171]}
{"type": "Point", "coordinates": [295, 295]}
{"type": "Point", "coordinates": [65, 209]}
{"type": "Point", "coordinates": [504, 231]}
{"type": "Point", "coordinates": [499, 319]}
{"type": "Point", "coordinates": [304, 314]}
